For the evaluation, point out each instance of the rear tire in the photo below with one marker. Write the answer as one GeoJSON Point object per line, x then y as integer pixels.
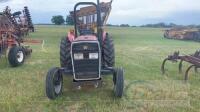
{"type": "Point", "coordinates": [54, 83]}
{"type": "Point", "coordinates": [16, 56]}
{"type": "Point", "coordinates": [118, 79]}
{"type": "Point", "coordinates": [109, 52]}
{"type": "Point", "coordinates": [65, 56]}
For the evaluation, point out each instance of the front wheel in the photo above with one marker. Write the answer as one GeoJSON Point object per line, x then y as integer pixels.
{"type": "Point", "coordinates": [54, 83]}
{"type": "Point", "coordinates": [118, 79]}
{"type": "Point", "coordinates": [16, 56]}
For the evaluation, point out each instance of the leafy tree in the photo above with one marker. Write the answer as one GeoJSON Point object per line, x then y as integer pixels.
{"type": "Point", "coordinates": [124, 25]}
{"type": "Point", "coordinates": [58, 20]}
{"type": "Point", "coordinates": [172, 25]}
{"type": "Point", "coordinates": [69, 20]}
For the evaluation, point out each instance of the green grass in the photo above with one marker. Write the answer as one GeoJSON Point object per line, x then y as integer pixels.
{"type": "Point", "coordinates": [139, 50]}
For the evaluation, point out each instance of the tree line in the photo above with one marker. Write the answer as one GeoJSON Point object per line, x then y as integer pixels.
{"type": "Point", "coordinates": [59, 20]}
{"type": "Point", "coordinates": [157, 25]}
{"type": "Point", "coordinates": [164, 25]}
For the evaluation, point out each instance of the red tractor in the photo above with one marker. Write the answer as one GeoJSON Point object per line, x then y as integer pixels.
{"type": "Point", "coordinates": [85, 54]}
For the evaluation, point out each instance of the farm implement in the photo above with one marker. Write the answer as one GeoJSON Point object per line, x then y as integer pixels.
{"type": "Point", "coordinates": [193, 59]}
{"type": "Point", "coordinates": [14, 27]}
{"type": "Point", "coordinates": [183, 33]}
{"type": "Point", "coordinates": [87, 52]}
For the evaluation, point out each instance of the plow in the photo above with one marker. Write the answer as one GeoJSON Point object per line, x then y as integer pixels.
{"type": "Point", "coordinates": [192, 59]}
{"type": "Point", "coordinates": [14, 28]}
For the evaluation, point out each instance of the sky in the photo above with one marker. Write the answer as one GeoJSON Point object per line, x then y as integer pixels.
{"type": "Point", "coordinates": [133, 12]}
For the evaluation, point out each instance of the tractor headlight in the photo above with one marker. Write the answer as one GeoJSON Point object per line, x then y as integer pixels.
{"type": "Point", "coordinates": [93, 55]}
{"type": "Point", "coordinates": [78, 56]}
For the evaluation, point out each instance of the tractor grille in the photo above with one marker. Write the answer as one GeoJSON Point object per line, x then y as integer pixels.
{"type": "Point", "coordinates": [86, 68]}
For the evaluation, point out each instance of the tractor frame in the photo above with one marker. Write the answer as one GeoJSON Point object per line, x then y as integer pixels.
{"type": "Point", "coordinates": [95, 66]}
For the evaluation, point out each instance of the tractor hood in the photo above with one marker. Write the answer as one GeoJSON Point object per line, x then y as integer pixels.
{"type": "Point", "coordinates": [86, 38]}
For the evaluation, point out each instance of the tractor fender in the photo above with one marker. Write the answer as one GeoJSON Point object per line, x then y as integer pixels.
{"type": "Point", "coordinates": [71, 37]}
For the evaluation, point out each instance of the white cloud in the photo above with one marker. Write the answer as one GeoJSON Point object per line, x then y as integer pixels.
{"type": "Point", "coordinates": [136, 10]}
{"type": "Point", "coordinates": [122, 9]}
{"type": "Point", "coordinates": [16, 4]}
{"type": "Point", "coordinates": [152, 8]}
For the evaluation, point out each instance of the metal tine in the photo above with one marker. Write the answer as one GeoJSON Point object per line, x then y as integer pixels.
{"type": "Point", "coordinates": [193, 59]}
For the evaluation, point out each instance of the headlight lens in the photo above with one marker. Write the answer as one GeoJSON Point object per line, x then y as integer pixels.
{"type": "Point", "coordinates": [78, 56]}
{"type": "Point", "coordinates": [93, 55]}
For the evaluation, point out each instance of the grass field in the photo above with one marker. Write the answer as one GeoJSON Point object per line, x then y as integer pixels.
{"type": "Point", "coordinates": [139, 50]}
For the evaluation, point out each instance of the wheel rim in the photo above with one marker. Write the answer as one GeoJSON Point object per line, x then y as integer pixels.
{"type": "Point", "coordinates": [57, 84]}
{"type": "Point", "coordinates": [20, 56]}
